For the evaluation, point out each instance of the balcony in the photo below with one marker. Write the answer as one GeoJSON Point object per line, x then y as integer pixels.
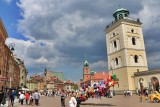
{"type": "Point", "coordinates": [124, 18]}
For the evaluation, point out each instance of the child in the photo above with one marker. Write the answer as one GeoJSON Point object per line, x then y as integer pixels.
{"type": "Point", "coordinates": [31, 99]}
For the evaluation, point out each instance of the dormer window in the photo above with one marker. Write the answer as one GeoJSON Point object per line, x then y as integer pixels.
{"type": "Point", "coordinates": [114, 34]}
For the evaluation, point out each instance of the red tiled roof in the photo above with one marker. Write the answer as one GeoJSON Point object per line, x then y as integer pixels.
{"type": "Point", "coordinates": [100, 75]}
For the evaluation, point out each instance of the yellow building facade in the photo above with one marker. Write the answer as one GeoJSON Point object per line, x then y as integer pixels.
{"type": "Point", "coordinates": [125, 49]}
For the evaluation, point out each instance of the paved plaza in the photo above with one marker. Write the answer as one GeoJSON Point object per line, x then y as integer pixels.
{"type": "Point", "coordinates": [116, 101]}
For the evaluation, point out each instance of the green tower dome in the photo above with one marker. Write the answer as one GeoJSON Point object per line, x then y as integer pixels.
{"type": "Point", "coordinates": [86, 63]}
{"type": "Point", "coordinates": [120, 13]}
{"type": "Point", "coordinates": [92, 72]}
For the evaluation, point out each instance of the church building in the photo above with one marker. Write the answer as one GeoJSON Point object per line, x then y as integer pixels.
{"type": "Point", "coordinates": [89, 76]}
{"type": "Point", "coordinates": [126, 54]}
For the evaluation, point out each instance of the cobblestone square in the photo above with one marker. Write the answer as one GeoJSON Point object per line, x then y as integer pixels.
{"type": "Point", "coordinates": [116, 101]}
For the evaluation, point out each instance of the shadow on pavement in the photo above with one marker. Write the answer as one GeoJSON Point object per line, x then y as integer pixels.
{"type": "Point", "coordinates": [86, 104]}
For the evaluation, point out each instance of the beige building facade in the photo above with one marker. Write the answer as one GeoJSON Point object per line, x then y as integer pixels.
{"type": "Point", "coordinates": [23, 72]}
{"type": "Point", "coordinates": [125, 49]}
{"type": "Point", "coordinates": [148, 79]}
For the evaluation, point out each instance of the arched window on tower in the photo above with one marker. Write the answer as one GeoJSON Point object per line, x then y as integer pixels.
{"type": "Point", "coordinates": [116, 61]}
{"type": "Point", "coordinates": [133, 41]}
{"type": "Point", "coordinates": [115, 44]}
{"type": "Point", "coordinates": [126, 15]}
{"type": "Point", "coordinates": [136, 59]}
{"type": "Point", "coordinates": [120, 16]}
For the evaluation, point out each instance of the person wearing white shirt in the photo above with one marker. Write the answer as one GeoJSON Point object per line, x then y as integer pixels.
{"type": "Point", "coordinates": [36, 96]}
{"type": "Point", "coordinates": [21, 97]}
{"type": "Point", "coordinates": [72, 101]}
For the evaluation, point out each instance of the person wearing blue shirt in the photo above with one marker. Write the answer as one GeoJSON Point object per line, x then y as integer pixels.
{"type": "Point", "coordinates": [12, 96]}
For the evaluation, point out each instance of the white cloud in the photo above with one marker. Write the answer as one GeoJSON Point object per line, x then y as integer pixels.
{"type": "Point", "coordinates": [21, 46]}
{"type": "Point", "coordinates": [149, 15]}
{"type": "Point", "coordinates": [42, 60]}
{"type": "Point", "coordinates": [68, 27]}
{"type": "Point", "coordinates": [41, 22]}
{"type": "Point", "coordinates": [99, 65]}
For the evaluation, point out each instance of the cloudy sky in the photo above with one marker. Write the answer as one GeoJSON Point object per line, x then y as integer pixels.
{"type": "Point", "coordinates": [56, 34]}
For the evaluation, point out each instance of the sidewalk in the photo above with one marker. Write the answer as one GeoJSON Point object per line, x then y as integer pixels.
{"type": "Point", "coordinates": [6, 105]}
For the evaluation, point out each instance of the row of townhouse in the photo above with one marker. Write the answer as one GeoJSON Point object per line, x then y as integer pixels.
{"type": "Point", "coordinates": [12, 69]}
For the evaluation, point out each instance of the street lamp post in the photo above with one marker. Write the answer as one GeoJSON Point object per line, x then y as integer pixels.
{"type": "Point", "coordinates": [11, 47]}
{"type": "Point", "coordinates": [45, 73]}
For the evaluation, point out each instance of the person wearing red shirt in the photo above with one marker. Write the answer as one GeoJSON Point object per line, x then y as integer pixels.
{"type": "Point", "coordinates": [27, 97]}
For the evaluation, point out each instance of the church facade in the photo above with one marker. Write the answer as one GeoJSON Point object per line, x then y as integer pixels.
{"type": "Point", "coordinates": [126, 53]}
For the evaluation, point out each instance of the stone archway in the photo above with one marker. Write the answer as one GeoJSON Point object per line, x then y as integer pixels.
{"type": "Point", "coordinates": [155, 83]}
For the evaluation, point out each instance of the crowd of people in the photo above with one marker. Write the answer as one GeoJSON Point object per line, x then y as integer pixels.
{"type": "Point", "coordinates": [33, 98]}
{"type": "Point", "coordinates": [75, 97]}
{"type": "Point", "coordinates": [144, 93]}
{"type": "Point", "coordinates": [127, 93]}
{"type": "Point", "coordinates": [29, 98]}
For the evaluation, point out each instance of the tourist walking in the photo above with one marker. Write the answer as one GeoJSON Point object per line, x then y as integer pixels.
{"type": "Point", "coordinates": [53, 93]}
{"type": "Point", "coordinates": [27, 97]}
{"type": "Point", "coordinates": [125, 93]}
{"type": "Point", "coordinates": [22, 97]}
{"type": "Point", "coordinates": [19, 93]}
{"type": "Point", "coordinates": [72, 101]}
{"type": "Point", "coordinates": [146, 93]}
{"type": "Point", "coordinates": [63, 98]}
{"type": "Point", "coordinates": [141, 97]}
{"type": "Point", "coordinates": [31, 99]}
{"type": "Point", "coordinates": [12, 96]}
{"type": "Point", "coordinates": [36, 97]}
{"type": "Point", "coordinates": [1, 96]}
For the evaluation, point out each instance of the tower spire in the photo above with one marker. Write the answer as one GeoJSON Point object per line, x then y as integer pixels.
{"type": "Point", "coordinates": [119, 6]}
{"type": "Point", "coordinates": [86, 62]}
